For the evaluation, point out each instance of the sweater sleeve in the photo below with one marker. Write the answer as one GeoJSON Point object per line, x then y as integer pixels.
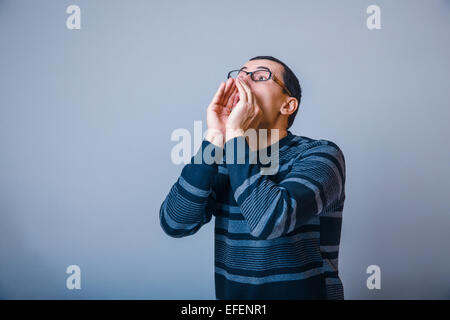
{"type": "Point", "coordinates": [314, 182]}
{"type": "Point", "coordinates": [191, 199]}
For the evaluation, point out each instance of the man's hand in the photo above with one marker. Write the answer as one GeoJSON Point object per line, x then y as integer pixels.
{"type": "Point", "coordinates": [246, 114]}
{"type": "Point", "coordinates": [219, 110]}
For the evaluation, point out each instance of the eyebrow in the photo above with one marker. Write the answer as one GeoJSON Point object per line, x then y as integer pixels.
{"type": "Point", "coordinates": [257, 68]}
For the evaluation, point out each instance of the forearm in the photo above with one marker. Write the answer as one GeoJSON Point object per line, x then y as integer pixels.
{"type": "Point", "coordinates": [190, 201]}
{"type": "Point", "coordinates": [215, 137]}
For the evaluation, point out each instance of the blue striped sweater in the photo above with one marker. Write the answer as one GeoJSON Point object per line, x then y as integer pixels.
{"type": "Point", "coordinates": [276, 236]}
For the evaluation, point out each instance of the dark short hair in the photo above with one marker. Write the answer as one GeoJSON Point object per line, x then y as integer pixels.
{"type": "Point", "coordinates": [290, 81]}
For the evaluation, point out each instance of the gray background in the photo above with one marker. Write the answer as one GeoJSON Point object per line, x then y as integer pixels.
{"type": "Point", "coordinates": [86, 117]}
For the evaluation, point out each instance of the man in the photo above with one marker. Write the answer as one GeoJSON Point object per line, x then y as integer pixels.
{"type": "Point", "coordinates": [276, 235]}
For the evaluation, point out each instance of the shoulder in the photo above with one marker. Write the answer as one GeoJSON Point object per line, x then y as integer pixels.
{"type": "Point", "coordinates": [307, 147]}
{"type": "Point", "coordinates": [304, 143]}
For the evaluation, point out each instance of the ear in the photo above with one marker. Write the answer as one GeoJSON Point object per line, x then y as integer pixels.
{"type": "Point", "coordinates": [289, 107]}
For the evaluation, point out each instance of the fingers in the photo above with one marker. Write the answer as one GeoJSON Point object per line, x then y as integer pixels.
{"type": "Point", "coordinates": [228, 90]}
{"type": "Point", "coordinates": [247, 91]}
{"type": "Point", "coordinates": [236, 98]}
{"type": "Point", "coordinates": [219, 93]}
{"type": "Point", "coordinates": [232, 97]}
{"type": "Point", "coordinates": [242, 92]}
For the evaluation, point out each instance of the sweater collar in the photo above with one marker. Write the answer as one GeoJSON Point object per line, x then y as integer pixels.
{"type": "Point", "coordinates": [282, 142]}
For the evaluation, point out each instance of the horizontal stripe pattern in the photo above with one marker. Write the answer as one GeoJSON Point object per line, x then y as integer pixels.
{"type": "Point", "coordinates": [269, 278]}
{"type": "Point", "coordinates": [191, 200]}
{"type": "Point", "coordinates": [268, 257]}
{"type": "Point", "coordinates": [269, 230]}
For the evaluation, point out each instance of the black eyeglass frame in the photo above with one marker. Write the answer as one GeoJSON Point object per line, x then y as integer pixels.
{"type": "Point", "coordinates": [271, 76]}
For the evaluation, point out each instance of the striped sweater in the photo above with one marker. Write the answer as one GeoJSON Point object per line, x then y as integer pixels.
{"type": "Point", "coordinates": [276, 236]}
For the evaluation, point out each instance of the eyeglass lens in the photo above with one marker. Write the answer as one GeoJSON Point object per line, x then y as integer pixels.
{"type": "Point", "coordinates": [258, 75]}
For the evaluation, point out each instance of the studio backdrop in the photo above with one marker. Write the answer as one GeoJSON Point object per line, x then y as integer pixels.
{"type": "Point", "coordinates": [92, 90]}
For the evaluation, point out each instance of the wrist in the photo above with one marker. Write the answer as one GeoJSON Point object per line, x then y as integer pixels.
{"type": "Point", "coordinates": [215, 137]}
{"type": "Point", "coordinates": [233, 133]}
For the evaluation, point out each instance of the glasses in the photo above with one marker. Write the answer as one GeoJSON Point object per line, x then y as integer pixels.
{"type": "Point", "coordinates": [258, 75]}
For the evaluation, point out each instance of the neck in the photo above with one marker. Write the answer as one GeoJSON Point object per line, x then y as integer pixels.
{"type": "Point", "coordinates": [266, 137]}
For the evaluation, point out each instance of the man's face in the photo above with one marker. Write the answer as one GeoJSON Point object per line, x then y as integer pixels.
{"type": "Point", "coordinates": [268, 94]}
